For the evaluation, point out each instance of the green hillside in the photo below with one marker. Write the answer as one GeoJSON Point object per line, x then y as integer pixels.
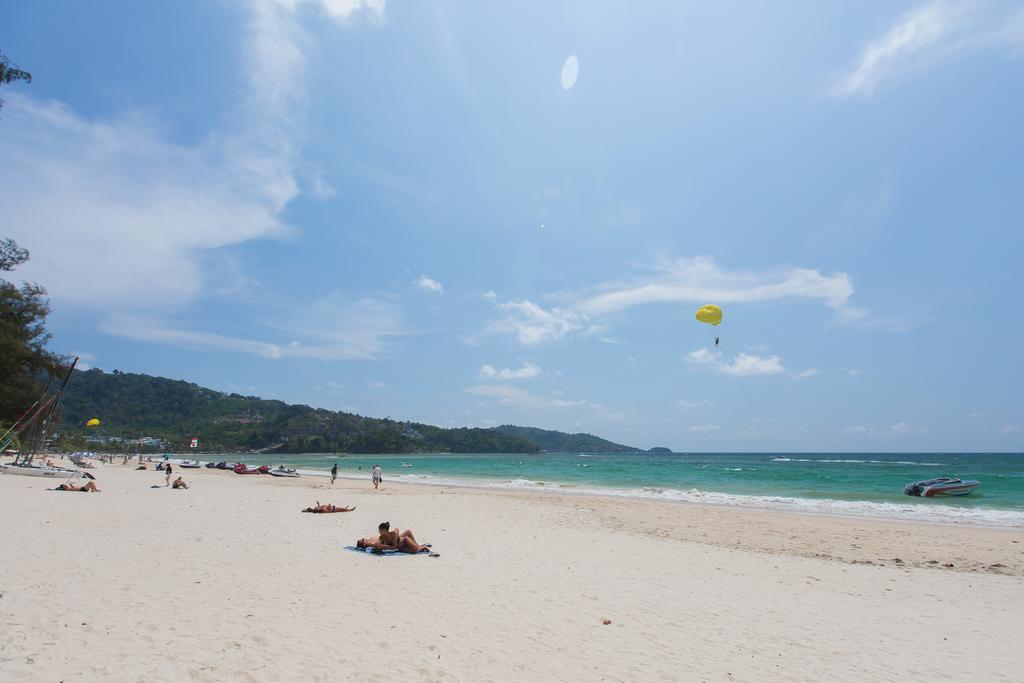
{"type": "Point", "coordinates": [560, 442]}
{"type": "Point", "coordinates": [134, 405]}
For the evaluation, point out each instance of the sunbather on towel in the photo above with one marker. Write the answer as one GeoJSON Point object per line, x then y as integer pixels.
{"type": "Point", "coordinates": [403, 542]}
{"type": "Point", "coordinates": [89, 486]}
{"type": "Point", "coordinates": [390, 537]}
{"type": "Point", "coordinates": [326, 508]}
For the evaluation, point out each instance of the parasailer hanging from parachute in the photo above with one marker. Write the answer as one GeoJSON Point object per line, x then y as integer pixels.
{"type": "Point", "coordinates": [711, 315]}
{"type": "Point", "coordinates": [94, 422]}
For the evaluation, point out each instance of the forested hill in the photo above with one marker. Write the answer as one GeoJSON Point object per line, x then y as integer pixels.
{"type": "Point", "coordinates": [135, 405]}
{"type": "Point", "coordinates": [131, 406]}
{"type": "Point", "coordinates": [560, 442]}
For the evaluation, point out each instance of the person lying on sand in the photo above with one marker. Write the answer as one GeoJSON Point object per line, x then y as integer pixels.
{"type": "Point", "coordinates": [179, 483]}
{"type": "Point", "coordinates": [89, 486]}
{"type": "Point", "coordinates": [392, 539]}
{"type": "Point", "coordinates": [327, 508]}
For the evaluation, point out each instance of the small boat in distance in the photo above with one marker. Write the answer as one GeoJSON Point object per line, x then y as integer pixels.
{"type": "Point", "coordinates": [942, 486]}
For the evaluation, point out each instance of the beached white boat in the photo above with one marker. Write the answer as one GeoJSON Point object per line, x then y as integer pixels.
{"type": "Point", "coordinates": [37, 471]}
{"type": "Point", "coordinates": [190, 464]}
{"type": "Point", "coordinates": [281, 471]}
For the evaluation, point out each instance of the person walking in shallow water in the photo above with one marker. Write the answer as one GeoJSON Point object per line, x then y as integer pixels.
{"type": "Point", "coordinates": [377, 476]}
{"type": "Point", "coordinates": [334, 472]}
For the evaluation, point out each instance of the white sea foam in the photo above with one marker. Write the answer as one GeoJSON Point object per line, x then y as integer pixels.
{"type": "Point", "coordinates": [860, 462]}
{"type": "Point", "coordinates": [933, 512]}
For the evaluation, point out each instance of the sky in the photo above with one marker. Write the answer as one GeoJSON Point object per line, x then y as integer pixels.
{"type": "Point", "coordinates": [473, 214]}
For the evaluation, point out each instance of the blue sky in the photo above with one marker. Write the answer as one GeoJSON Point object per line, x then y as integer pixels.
{"type": "Point", "coordinates": [482, 213]}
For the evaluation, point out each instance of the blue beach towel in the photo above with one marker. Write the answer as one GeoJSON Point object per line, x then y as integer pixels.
{"type": "Point", "coordinates": [386, 553]}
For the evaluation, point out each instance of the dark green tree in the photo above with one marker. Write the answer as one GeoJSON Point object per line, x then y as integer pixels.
{"type": "Point", "coordinates": [10, 73]}
{"type": "Point", "coordinates": [23, 337]}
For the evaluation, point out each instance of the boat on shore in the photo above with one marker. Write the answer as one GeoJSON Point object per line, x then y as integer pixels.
{"type": "Point", "coordinates": [241, 468]}
{"type": "Point", "coordinates": [283, 471]}
{"type": "Point", "coordinates": [941, 486]}
{"type": "Point", "coordinates": [31, 470]}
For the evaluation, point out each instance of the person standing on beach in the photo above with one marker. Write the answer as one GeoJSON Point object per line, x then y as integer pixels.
{"type": "Point", "coordinates": [377, 476]}
{"type": "Point", "coordinates": [334, 472]}
{"type": "Point", "coordinates": [167, 470]}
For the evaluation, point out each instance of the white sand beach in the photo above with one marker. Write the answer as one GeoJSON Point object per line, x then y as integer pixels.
{"type": "Point", "coordinates": [229, 581]}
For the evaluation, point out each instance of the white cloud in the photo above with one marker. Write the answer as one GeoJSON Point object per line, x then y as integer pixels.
{"type": "Point", "coordinates": [684, 280]}
{"type": "Point", "coordinates": [809, 372]}
{"type": "Point", "coordinates": [1010, 429]}
{"type": "Point", "coordinates": [854, 372]}
{"type": "Point", "coordinates": [342, 11]}
{"type": "Point", "coordinates": [743, 365]}
{"type": "Point", "coordinates": [931, 33]}
{"type": "Point", "coordinates": [527, 371]}
{"type": "Point", "coordinates": [429, 285]}
{"type": "Point", "coordinates": [704, 428]}
{"type": "Point", "coordinates": [570, 72]}
{"type": "Point", "coordinates": [490, 295]}
{"type": "Point", "coordinates": [856, 429]}
{"type": "Point", "coordinates": [321, 189]}
{"type": "Point", "coordinates": [687, 406]}
{"type": "Point", "coordinates": [147, 212]}
{"type": "Point", "coordinates": [700, 280]}
{"type": "Point", "coordinates": [332, 387]}
{"type": "Point", "coordinates": [901, 428]}
{"type": "Point", "coordinates": [519, 397]}
{"type": "Point", "coordinates": [378, 385]}
{"type": "Point", "coordinates": [532, 324]}
{"type": "Point", "coordinates": [332, 328]}
{"type": "Point", "coordinates": [84, 360]}
{"type": "Point", "coordinates": [132, 206]}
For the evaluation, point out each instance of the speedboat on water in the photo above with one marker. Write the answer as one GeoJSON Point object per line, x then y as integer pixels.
{"type": "Point", "coordinates": [190, 464]}
{"type": "Point", "coordinates": [943, 486]}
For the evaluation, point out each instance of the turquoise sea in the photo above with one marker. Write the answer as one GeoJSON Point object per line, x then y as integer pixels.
{"type": "Point", "coordinates": [868, 484]}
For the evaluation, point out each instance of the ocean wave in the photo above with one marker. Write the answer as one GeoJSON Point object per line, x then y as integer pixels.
{"type": "Point", "coordinates": [921, 512]}
{"type": "Point", "coordinates": [860, 462]}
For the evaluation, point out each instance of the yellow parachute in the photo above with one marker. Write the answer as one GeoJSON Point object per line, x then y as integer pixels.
{"type": "Point", "coordinates": [709, 313]}
{"type": "Point", "coordinates": [93, 423]}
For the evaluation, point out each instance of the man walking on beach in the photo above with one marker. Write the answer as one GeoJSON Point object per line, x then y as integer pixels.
{"type": "Point", "coordinates": [377, 476]}
{"type": "Point", "coordinates": [334, 472]}
{"type": "Point", "coordinates": [167, 470]}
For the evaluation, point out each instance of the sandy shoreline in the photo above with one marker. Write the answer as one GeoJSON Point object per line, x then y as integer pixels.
{"type": "Point", "coordinates": [229, 581]}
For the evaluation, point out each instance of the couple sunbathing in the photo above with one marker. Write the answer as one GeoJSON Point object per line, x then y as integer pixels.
{"type": "Point", "coordinates": [90, 487]}
{"type": "Point", "coordinates": [327, 508]}
{"type": "Point", "coordinates": [393, 539]}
